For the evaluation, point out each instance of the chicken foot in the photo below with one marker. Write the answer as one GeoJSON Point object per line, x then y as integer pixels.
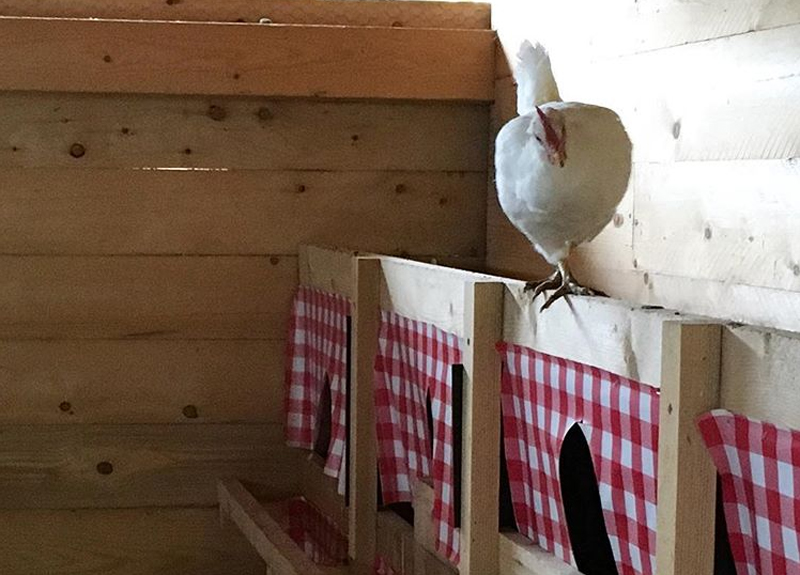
{"type": "Point", "coordinates": [564, 284]}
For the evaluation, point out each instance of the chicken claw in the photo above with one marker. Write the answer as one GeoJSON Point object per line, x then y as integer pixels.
{"type": "Point", "coordinates": [564, 282]}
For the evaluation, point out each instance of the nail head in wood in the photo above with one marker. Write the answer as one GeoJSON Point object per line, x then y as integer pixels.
{"type": "Point", "coordinates": [77, 150]}
{"type": "Point", "coordinates": [190, 412]}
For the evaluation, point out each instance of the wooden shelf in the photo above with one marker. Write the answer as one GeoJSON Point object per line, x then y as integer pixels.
{"type": "Point", "coordinates": [158, 57]}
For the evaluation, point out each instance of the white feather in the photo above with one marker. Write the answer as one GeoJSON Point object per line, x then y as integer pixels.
{"type": "Point", "coordinates": [559, 207]}
{"type": "Point", "coordinates": [534, 76]}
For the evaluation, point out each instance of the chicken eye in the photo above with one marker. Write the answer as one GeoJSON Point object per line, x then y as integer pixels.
{"type": "Point", "coordinates": [538, 139]}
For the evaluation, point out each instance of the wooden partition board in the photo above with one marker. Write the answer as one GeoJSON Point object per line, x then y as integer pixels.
{"type": "Point", "coordinates": [158, 57]}
{"type": "Point", "coordinates": [759, 374]}
{"type": "Point", "coordinates": [409, 14]}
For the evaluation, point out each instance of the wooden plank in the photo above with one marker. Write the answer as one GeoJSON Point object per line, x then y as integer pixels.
{"type": "Point", "coordinates": [146, 297]}
{"type": "Point", "coordinates": [622, 27]}
{"type": "Point", "coordinates": [322, 490]}
{"type": "Point", "coordinates": [350, 13]}
{"type": "Point", "coordinates": [363, 475]}
{"type": "Point", "coordinates": [724, 221]}
{"type": "Point", "coordinates": [328, 269]}
{"type": "Point", "coordinates": [686, 476]}
{"type": "Point", "coordinates": [58, 211]}
{"type": "Point", "coordinates": [119, 131]}
{"type": "Point", "coordinates": [601, 332]}
{"type": "Point", "coordinates": [481, 429]}
{"type": "Point", "coordinates": [156, 57]}
{"type": "Point", "coordinates": [127, 382]}
{"type": "Point", "coordinates": [696, 102]}
{"type": "Point", "coordinates": [519, 556]}
{"type": "Point", "coordinates": [759, 378]}
{"type": "Point", "coordinates": [263, 532]}
{"type": "Point", "coordinates": [97, 466]}
{"type": "Point", "coordinates": [122, 542]}
{"type": "Point", "coordinates": [426, 292]}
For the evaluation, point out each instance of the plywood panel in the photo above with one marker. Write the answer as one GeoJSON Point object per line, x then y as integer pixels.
{"type": "Point", "coordinates": [58, 211]}
{"type": "Point", "coordinates": [725, 221]}
{"type": "Point", "coordinates": [122, 542]}
{"type": "Point", "coordinates": [41, 130]}
{"type": "Point", "coordinates": [350, 13]}
{"type": "Point", "coordinates": [157, 57]}
{"type": "Point", "coordinates": [101, 466]}
{"type": "Point", "coordinates": [69, 382]}
{"type": "Point", "coordinates": [146, 297]}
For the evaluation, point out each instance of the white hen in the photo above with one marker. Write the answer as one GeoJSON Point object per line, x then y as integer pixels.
{"type": "Point", "coordinates": [561, 169]}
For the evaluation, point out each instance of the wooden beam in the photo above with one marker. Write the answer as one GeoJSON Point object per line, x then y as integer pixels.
{"type": "Point", "coordinates": [121, 466]}
{"type": "Point", "coordinates": [467, 15]}
{"type": "Point", "coordinates": [178, 541]}
{"type": "Point", "coordinates": [146, 297]}
{"type": "Point", "coordinates": [141, 382]}
{"type": "Point", "coordinates": [263, 532]}
{"type": "Point", "coordinates": [483, 317]}
{"type": "Point", "coordinates": [212, 134]}
{"type": "Point", "coordinates": [686, 475]}
{"type": "Point", "coordinates": [363, 440]}
{"type": "Point", "coordinates": [45, 54]}
{"type": "Point", "coordinates": [99, 211]}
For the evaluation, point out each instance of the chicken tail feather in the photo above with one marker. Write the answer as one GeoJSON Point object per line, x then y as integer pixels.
{"type": "Point", "coordinates": [534, 75]}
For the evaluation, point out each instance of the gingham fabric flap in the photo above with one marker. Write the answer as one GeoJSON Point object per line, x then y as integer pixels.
{"type": "Point", "coordinates": [414, 360]}
{"type": "Point", "coordinates": [543, 397]}
{"type": "Point", "coordinates": [759, 466]}
{"type": "Point", "coordinates": [316, 353]}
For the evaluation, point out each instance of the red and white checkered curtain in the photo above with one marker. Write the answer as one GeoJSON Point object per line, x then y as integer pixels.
{"type": "Point", "coordinates": [414, 360]}
{"type": "Point", "coordinates": [759, 466]}
{"type": "Point", "coordinates": [316, 353]}
{"type": "Point", "coordinates": [543, 397]}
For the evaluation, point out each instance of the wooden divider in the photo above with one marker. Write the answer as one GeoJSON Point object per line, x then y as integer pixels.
{"type": "Point", "coordinates": [363, 439]}
{"type": "Point", "coordinates": [686, 476]}
{"type": "Point", "coordinates": [156, 57]}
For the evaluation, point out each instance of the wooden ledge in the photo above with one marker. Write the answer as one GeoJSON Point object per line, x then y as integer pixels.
{"type": "Point", "coordinates": [157, 57]}
{"type": "Point", "coordinates": [264, 533]}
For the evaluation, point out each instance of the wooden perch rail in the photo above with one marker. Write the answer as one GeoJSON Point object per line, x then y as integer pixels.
{"type": "Point", "coordinates": [127, 56]}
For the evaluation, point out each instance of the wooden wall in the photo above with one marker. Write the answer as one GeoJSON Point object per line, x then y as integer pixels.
{"type": "Point", "coordinates": [710, 94]}
{"type": "Point", "coordinates": [148, 248]}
